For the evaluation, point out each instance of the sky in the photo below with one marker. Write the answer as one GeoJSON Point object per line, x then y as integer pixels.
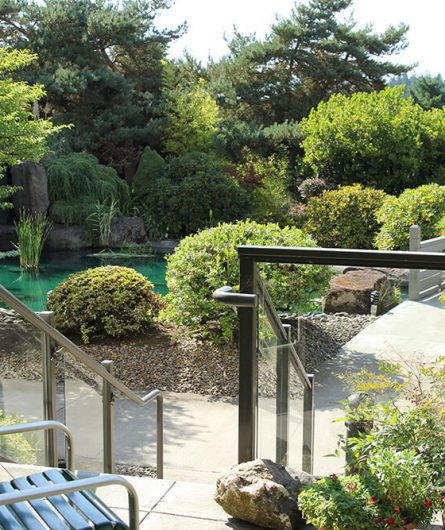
{"type": "Point", "coordinates": [209, 20]}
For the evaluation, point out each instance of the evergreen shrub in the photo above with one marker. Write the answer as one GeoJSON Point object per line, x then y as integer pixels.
{"type": "Point", "coordinates": [423, 206]}
{"type": "Point", "coordinates": [151, 167]}
{"type": "Point", "coordinates": [344, 218]}
{"type": "Point", "coordinates": [208, 260]}
{"type": "Point", "coordinates": [112, 300]}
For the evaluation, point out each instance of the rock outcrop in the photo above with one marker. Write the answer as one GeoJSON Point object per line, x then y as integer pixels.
{"type": "Point", "coordinates": [351, 292]}
{"type": "Point", "coordinates": [68, 237]}
{"type": "Point", "coordinates": [127, 229]}
{"type": "Point", "coordinates": [263, 493]}
{"type": "Point", "coordinates": [32, 179]}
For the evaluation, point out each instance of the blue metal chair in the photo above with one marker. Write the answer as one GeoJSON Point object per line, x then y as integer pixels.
{"type": "Point", "coordinates": [57, 498]}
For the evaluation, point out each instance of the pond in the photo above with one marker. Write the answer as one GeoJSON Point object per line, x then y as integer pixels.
{"type": "Point", "coordinates": [56, 266]}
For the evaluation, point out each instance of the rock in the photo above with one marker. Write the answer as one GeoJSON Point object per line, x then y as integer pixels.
{"type": "Point", "coordinates": [68, 237]}
{"type": "Point", "coordinates": [127, 229]}
{"type": "Point", "coordinates": [263, 493]}
{"type": "Point", "coordinates": [33, 197]}
{"type": "Point", "coordinates": [351, 292]}
{"type": "Point", "coordinates": [397, 277]}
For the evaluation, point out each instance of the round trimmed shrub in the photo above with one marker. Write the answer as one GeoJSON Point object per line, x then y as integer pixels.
{"type": "Point", "coordinates": [111, 300]}
{"type": "Point", "coordinates": [346, 217]}
{"type": "Point", "coordinates": [208, 260]}
{"type": "Point", "coordinates": [423, 206]}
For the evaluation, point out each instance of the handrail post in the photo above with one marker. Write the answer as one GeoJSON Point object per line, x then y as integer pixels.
{"type": "Point", "coordinates": [415, 239]}
{"type": "Point", "coordinates": [160, 436]}
{"type": "Point", "coordinates": [308, 427]}
{"type": "Point", "coordinates": [248, 388]}
{"type": "Point", "coordinates": [282, 401]}
{"type": "Point", "coordinates": [49, 390]}
{"type": "Point", "coordinates": [108, 420]}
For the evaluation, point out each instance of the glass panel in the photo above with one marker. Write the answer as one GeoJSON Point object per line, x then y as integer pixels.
{"type": "Point", "coordinates": [267, 387]}
{"type": "Point", "coordinates": [21, 388]}
{"type": "Point", "coordinates": [83, 405]}
{"type": "Point", "coordinates": [295, 422]}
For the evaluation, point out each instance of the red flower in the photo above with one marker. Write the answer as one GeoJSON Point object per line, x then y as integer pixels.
{"type": "Point", "coordinates": [372, 499]}
{"type": "Point", "coordinates": [396, 509]}
{"type": "Point", "coordinates": [351, 487]}
{"type": "Point", "coordinates": [427, 503]}
{"type": "Point", "coordinates": [378, 520]}
{"type": "Point", "coordinates": [333, 475]}
{"type": "Point", "coordinates": [390, 521]}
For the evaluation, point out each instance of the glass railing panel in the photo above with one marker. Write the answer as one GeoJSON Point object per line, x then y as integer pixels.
{"type": "Point", "coordinates": [84, 416]}
{"type": "Point", "coordinates": [268, 345]}
{"type": "Point", "coordinates": [295, 419]}
{"type": "Point", "coordinates": [21, 387]}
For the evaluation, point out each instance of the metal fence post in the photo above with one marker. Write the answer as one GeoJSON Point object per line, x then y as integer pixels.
{"type": "Point", "coordinates": [308, 427]}
{"type": "Point", "coordinates": [49, 390]}
{"type": "Point", "coordinates": [282, 401]}
{"type": "Point", "coordinates": [108, 420]}
{"type": "Point", "coordinates": [248, 388]}
{"type": "Point", "coordinates": [415, 238]}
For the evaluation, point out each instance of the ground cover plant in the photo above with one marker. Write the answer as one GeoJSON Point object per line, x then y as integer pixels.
{"type": "Point", "coordinates": [344, 218]}
{"type": "Point", "coordinates": [208, 260]}
{"type": "Point", "coordinates": [112, 300]}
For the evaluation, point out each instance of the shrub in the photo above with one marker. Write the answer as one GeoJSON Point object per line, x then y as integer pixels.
{"type": "Point", "coordinates": [312, 187]}
{"type": "Point", "coordinates": [151, 167]}
{"type": "Point", "coordinates": [423, 206]}
{"type": "Point", "coordinates": [382, 139]}
{"type": "Point", "coordinates": [196, 193]}
{"type": "Point", "coordinates": [208, 260]}
{"type": "Point", "coordinates": [77, 182]}
{"type": "Point", "coordinates": [344, 218]}
{"type": "Point", "coordinates": [111, 300]}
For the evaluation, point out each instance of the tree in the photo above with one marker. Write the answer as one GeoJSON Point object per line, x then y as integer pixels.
{"type": "Point", "coordinates": [380, 139]}
{"type": "Point", "coordinates": [193, 117]}
{"type": "Point", "coordinates": [429, 92]}
{"type": "Point", "coordinates": [22, 136]}
{"type": "Point", "coordinates": [101, 64]}
{"type": "Point", "coordinates": [305, 59]}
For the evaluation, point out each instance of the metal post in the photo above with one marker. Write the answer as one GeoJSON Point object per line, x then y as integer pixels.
{"type": "Point", "coordinates": [49, 390]}
{"type": "Point", "coordinates": [160, 436]}
{"type": "Point", "coordinates": [308, 427]}
{"type": "Point", "coordinates": [282, 401]}
{"type": "Point", "coordinates": [415, 239]}
{"type": "Point", "coordinates": [248, 378]}
{"type": "Point", "coordinates": [108, 420]}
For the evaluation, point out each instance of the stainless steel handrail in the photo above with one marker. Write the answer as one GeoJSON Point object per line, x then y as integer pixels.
{"type": "Point", "coordinates": [93, 365]}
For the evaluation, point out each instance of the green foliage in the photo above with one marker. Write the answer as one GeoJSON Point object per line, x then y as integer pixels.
{"type": "Point", "coordinates": [151, 167]}
{"type": "Point", "coordinates": [196, 193]}
{"type": "Point", "coordinates": [381, 139]}
{"type": "Point", "coordinates": [208, 260]}
{"type": "Point", "coordinates": [306, 57]}
{"type": "Point", "coordinates": [390, 492]}
{"type": "Point", "coordinates": [193, 118]}
{"type": "Point", "coordinates": [429, 92]}
{"type": "Point", "coordinates": [101, 64]}
{"type": "Point", "coordinates": [268, 182]}
{"type": "Point", "coordinates": [111, 300]}
{"type": "Point", "coordinates": [311, 187]}
{"type": "Point", "coordinates": [423, 206]}
{"type": "Point", "coordinates": [344, 218]}
{"type": "Point", "coordinates": [32, 231]}
{"type": "Point", "coordinates": [100, 221]}
{"type": "Point", "coordinates": [77, 182]}
{"type": "Point", "coordinates": [15, 446]}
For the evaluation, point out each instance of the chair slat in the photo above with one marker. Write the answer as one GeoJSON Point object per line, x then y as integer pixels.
{"type": "Point", "coordinates": [7, 519]}
{"type": "Point", "coordinates": [70, 514]}
{"type": "Point", "coordinates": [25, 515]}
{"type": "Point", "coordinates": [41, 506]}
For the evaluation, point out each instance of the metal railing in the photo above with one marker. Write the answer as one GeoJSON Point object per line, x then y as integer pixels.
{"type": "Point", "coordinates": [43, 322]}
{"type": "Point", "coordinates": [247, 302]}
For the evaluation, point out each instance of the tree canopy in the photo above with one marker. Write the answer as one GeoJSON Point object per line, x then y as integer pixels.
{"type": "Point", "coordinates": [101, 64]}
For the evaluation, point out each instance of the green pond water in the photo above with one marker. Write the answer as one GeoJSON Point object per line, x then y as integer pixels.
{"type": "Point", "coordinates": [56, 266]}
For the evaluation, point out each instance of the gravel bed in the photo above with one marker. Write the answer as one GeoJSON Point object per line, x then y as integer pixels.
{"type": "Point", "coordinates": [134, 470]}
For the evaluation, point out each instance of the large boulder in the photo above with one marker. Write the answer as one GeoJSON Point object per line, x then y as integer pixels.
{"type": "Point", "coordinates": [68, 237]}
{"type": "Point", "coordinates": [351, 292]}
{"type": "Point", "coordinates": [8, 237]}
{"type": "Point", "coordinates": [33, 196]}
{"type": "Point", "coordinates": [263, 493]}
{"type": "Point", "coordinates": [127, 229]}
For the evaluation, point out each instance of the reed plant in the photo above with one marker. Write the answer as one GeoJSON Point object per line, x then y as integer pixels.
{"type": "Point", "coordinates": [32, 231]}
{"type": "Point", "coordinates": [100, 221]}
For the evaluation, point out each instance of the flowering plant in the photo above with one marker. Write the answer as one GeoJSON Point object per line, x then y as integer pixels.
{"type": "Point", "coordinates": [392, 492]}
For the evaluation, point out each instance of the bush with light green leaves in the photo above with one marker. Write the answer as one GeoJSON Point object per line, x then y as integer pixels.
{"type": "Point", "coordinates": [423, 206]}
{"type": "Point", "coordinates": [208, 260]}
{"type": "Point", "coordinates": [344, 218]}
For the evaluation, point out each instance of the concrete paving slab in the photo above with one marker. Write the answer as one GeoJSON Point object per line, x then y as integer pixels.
{"type": "Point", "coordinates": [158, 521]}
